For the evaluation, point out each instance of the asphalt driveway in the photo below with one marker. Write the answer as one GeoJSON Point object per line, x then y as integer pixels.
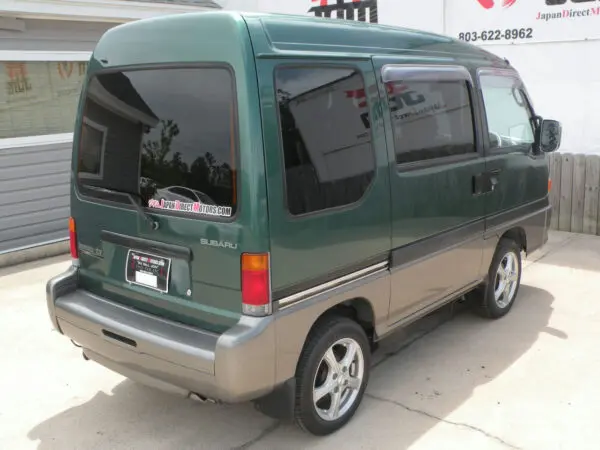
{"type": "Point", "coordinates": [530, 380]}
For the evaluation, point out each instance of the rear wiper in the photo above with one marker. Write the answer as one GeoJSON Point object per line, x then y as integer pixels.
{"type": "Point", "coordinates": [153, 223]}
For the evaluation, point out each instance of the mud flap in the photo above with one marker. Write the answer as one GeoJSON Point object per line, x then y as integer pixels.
{"type": "Point", "coordinates": [279, 404]}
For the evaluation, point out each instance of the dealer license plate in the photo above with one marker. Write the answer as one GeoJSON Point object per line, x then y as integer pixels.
{"type": "Point", "coordinates": [147, 270]}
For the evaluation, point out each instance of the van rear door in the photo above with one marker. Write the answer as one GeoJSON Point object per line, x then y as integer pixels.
{"type": "Point", "coordinates": [162, 142]}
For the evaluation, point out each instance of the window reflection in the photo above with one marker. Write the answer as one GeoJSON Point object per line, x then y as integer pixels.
{"type": "Point", "coordinates": [169, 136]}
{"type": "Point", "coordinates": [430, 119]}
{"type": "Point", "coordinates": [329, 159]}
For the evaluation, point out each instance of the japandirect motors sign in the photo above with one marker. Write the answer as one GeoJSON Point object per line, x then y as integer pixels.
{"type": "Point", "coordinates": [488, 22]}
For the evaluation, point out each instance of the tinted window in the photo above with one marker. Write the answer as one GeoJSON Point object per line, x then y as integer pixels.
{"type": "Point", "coordinates": [508, 116]}
{"type": "Point", "coordinates": [329, 159]}
{"type": "Point", "coordinates": [93, 139]}
{"type": "Point", "coordinates": [165, 134]}
{"type": "Point", "coordinates": [430, 119]}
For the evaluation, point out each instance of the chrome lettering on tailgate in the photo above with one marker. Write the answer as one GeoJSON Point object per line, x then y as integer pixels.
{"type": "Point", "coordinates": [91, 251]}
{"type": "Point", "coordinates": [222, 244]}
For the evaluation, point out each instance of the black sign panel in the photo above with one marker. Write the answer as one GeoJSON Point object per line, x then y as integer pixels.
{"type": "Point", "coordinates": [147, 270]}
{"type": "Point", "coordinates": [345, 10]}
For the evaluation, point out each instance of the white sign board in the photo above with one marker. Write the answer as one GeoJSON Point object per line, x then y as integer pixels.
{"type": "Point", "coordinates": [488, 22]}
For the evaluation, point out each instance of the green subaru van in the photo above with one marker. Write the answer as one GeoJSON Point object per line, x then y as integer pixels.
{"type": "Point", "coordinates": [257, 200]}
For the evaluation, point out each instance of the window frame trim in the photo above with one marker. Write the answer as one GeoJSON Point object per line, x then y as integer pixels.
{"type": "Point", "coordinates": [34, 141]}
{"type": "Point", "coordinates": [45, 56]}
{"type": "Point", "coordinates": [425, 72]}
{"type": "Point", "coordinates": [236, 130]}
{"type": "Point", "coordinates": [105, 11]}
{"type": "Point", "coordinates": [317, 65]}
{"type": "Point", "coordinates": [507, 73]}
{"type": "Point", "coordinates": [103, 130]}
{"type": "Point", "coordinates": [433, 73]}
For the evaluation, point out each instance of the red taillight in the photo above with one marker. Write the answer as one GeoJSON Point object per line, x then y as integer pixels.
{"type": "Point", "coordinates": [256, 287]}
{"type": "Point", "coordinates": [549, 184]}
{"type": "Point", "coordinates": [73, 238]}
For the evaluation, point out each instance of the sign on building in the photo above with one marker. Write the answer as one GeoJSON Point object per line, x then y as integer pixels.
{"type": "Point", "coordinates": [488, 22]}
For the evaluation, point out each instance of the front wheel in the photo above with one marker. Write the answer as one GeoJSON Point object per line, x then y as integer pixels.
{"type": "Point", "coordinates": [332, 375]}
{"type": "Point", "coordinates": [496, 297]}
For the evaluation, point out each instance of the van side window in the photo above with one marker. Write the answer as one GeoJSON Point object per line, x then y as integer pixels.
{"type": "Point", "coordinates": [507, 111]}
{"type": "Point", "coordinates": [431, 119]}
{"type": "Point", "coordinates": [329, 158]}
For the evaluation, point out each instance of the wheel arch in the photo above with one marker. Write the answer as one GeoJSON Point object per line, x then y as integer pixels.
{"type": "Point", "coordinates": [358, 309]}
{"type": "Point", "coordinates": [518, 235]}
{"type": "Point", "coordinates": [280, 404]}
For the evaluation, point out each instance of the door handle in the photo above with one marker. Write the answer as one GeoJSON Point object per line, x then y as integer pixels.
{"type": "Point", "coordinates": [485, 182]}
{"type": "Point", "coordinates": [493, 177]}
{"type": "Point", "coordinates": [493, 183]}
{"type": "Point", "coordinates": [478, 184]}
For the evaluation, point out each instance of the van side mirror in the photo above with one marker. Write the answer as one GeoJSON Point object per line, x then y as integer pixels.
{"type": "Point", "coordinates": [550, 135]}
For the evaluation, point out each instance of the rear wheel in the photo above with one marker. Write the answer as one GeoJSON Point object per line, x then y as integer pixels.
{"type": "Point", "coordinates": [495, 299]}
{"type": "Point", "coordinates": [332, 375]}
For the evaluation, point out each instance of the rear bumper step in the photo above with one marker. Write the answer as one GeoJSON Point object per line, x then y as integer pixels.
{"type": "Point", "coordinates": [232, 367]}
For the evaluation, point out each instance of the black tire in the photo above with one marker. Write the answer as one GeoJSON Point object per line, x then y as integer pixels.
{"type": "Point", "coordinates": [325, 334]}
{"type": "Point", "coordinates": [482, 300]}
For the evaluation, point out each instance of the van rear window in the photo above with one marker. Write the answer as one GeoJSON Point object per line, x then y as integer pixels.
{"type": "Point", "coordinates": [166, 136]}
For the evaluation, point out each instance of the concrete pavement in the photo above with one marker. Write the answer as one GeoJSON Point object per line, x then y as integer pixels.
{"type": "Point", "coordinates": [527, 381]}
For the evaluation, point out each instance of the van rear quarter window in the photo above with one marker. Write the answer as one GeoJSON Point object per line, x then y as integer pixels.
{"type": "Point", "coordinates": [326, 137]}
{"type": "Point", "coordinates": [166, 135]}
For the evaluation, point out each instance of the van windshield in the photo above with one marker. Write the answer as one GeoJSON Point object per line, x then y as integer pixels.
{"type": "Point", "coordinates": [166, 135]}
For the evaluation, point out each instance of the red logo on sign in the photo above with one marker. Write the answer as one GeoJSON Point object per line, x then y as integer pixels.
{"type": "Point", "coordinates": [65, 69]}
{"type": "Point", "coordinates": [489, 4]}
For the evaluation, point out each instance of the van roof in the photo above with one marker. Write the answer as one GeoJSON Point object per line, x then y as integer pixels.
{"type": "Point", "coordinates": [295, 35]}
{"type": "Point", "coordinates": [307, 34]}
